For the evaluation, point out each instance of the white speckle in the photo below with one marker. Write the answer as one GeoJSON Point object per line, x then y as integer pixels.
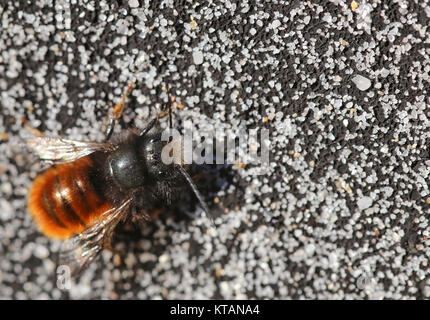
{"type": "Point", "coordinates": [361, 82]}
{"type": "Point", "coordinates": [224, 287]}
{"type": "Point", "coordinates": [298, 233]}
{"type": "Point", "coordinates": [337, 103]}
{"type": "Point", "coordinates": [252, 31]}
{"type": "Point", "coordinates": [6, 210]}
{"type": "Point", "coordinates": [364, 17]}
{"type": "Point", "coordinates": [388, 191]}
{"type": "Point", "coordinates": [226, 59]}
{"type": "Point", "coordinates": [364, 203]}
{"type": "Point", "coordinates": [275, 24]}
{"type": "Point", "coordinates": [338, 78]}
{"type": "Point", "coordinates": [384, 72]}
{"type": "Point", "coordinates": [396, 237]}
{"type": "Point", "coordinates": [198, 57]}
{"type": "Point", "coordinates": [163, 258]}
{"type": "Point", "coordinates": [234, 95]}
{"type": "Point", "coordinates": [41, 252]}
{"type": "Point", "coordinates": [310, 249]}
{"type": "Point", "coordinates": [133, 3]}
{"type": "Point", "coordinates": [78, 291]}
{"type": "Point", "coordinates": [384, 149]}
{"type": "Point", "coordinates": [130, 260]}
{"type": "Point", "coordinates": [6, 187]}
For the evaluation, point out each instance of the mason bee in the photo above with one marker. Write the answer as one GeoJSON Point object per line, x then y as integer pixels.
{"type": "Point", "coordinates": [92, 186]}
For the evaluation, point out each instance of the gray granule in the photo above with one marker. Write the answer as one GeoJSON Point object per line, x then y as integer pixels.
{"type": "Point", "coordinates": [361, 82]}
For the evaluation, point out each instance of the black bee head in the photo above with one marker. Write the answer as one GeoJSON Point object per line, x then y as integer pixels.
{"type": "Point", "coordinates": [126, 167]}
{"type": "Point", "coordinates": [159, 157]}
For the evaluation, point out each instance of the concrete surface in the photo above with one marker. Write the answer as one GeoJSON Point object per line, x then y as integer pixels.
{"type": "Point", "coordinates": [342, 212]}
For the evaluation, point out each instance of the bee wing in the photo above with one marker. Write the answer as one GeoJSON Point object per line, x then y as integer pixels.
{"type": "Point", "coordinates": [63, 150]}
{"type": "Point", "coordinates": [79, 251]}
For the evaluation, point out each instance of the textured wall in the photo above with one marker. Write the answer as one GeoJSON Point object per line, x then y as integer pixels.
{"type": "Point", "coordinates": [344, 207]}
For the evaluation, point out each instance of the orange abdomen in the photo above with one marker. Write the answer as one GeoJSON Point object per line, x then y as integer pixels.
{"type": "Point", "coordinates": [63, 200]}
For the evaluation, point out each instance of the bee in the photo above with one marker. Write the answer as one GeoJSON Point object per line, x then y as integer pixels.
{"type": "Point", "coordinates": [92, 186]}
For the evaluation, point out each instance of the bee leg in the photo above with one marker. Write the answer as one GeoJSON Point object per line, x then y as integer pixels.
{"type": "Point", "coordinates": [152, 123]}
{"type": "Point", "coordinates": [192, 216]}
{"type": "Point", "coordinates": [163, 113]}
{"type": "Point", "coordinates": [172, 101]}
{"type": "Point", "coordinates": [117, 111]}
{"type": "Point", "coordinates": [166, 110]}
{"type": "Point", "coordinates": [148, 127]}
{"type": "Point", "coordinates": [154, 213]}
{"type": "Point", "coordinates": [143, 216]}
{"type": "Point", "coordinates": [110, 128]}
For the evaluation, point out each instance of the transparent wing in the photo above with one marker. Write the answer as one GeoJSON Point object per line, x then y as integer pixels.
{"type": "Point", "coordinates": [78, 252]}
{"type": "Point", "coordinates": [62, 150]}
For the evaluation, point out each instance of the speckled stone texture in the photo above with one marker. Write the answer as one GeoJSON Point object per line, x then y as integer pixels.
{"type": "Point", "coordinates": [343, 87]}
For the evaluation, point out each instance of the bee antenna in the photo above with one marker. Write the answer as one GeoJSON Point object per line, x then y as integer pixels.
{"type": "Point", "coordinates": [169, 103]}
{"type": "Point", "coordinates": [197, 193]}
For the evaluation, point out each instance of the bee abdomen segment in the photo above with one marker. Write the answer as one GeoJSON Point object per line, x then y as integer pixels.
{"type": "Point", "coordinates": [63, 201]}
{"type": "Point", "coordinates": [49, 209]}
{"type": "Point", "coordinates": [64, 195]}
